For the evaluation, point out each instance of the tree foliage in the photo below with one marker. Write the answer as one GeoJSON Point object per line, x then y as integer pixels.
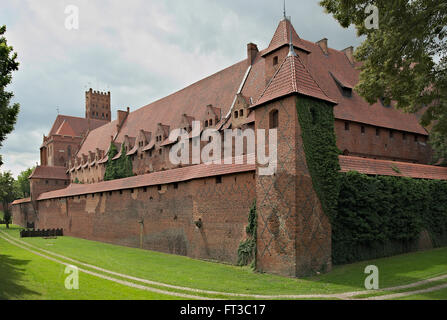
{"type": "Point", "coordinates": [8, 64]}
{"type": "Point", "coordinates": [22, 184]}
{"type": "Point", "coordinates": [405, 59]}
{"type": "Point", "coordinates": [7, 194]}
{"type": "Point", "coordinates": [119, 168]}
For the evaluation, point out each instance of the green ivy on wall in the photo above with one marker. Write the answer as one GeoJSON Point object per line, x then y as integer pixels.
{"type": "Point", "coordinates": [316, 119]}
{"type": "Point", "coordinates": [247, 248]}
{"type": "Point", "coordinates": [382, 215]}
{"type": "Point", "coordinates": [119, 168]}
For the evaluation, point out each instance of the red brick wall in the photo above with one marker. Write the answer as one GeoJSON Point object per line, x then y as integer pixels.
{"type": "Point", "coordinates": [168, 215]}
{"type": "Point", "coordinates": [294, 234]}
{"type": "Point", "coordinates": [23, 213]}
{"type": "Point", "coordinates": [39, 186]}
{"type": "Point", "coordinates": [381, 146]}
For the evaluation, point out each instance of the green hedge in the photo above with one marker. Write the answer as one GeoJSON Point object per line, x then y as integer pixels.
{"type": "Point", "coordinates": [381, 216]}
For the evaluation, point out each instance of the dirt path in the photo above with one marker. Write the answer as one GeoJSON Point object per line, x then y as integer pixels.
{"type": "Point", "coordinates": [343, 296]}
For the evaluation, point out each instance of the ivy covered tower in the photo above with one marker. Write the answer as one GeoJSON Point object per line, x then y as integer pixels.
{"type": "Point", "coordinates": [294, 231]}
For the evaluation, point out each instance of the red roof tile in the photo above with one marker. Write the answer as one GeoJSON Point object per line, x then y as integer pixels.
{"type": "Point", "coordinates": [66, 130]}
{"type": "Point", "coordinates": [354, 108]}
{"type": "Point", "coordinates": [291, 77]}
{"type": "Point", "coordinates": [19, 201]}
{"type": "Point", "coordinates": [156, 178]}
{"type": "Point", "coordinates": [77, 125]}
{"type": "Point", "coordinates": [281, 37]}
{"type": "Point", "coordinates": [42, 172]}
{"type": "Point", "coordinates": [391, 168]}
{"type": "Point", "coordinates": [218, 90]}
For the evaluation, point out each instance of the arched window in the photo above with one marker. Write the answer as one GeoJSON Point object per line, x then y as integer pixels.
{"type": "Point", "coordinates": [274, 120]}
{"type": "Point", "coordinates": [206, 123]}
{"type": "Point", "coordinates": [236, 114]}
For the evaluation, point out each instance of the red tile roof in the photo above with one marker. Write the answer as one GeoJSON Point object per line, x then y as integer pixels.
{"type": "Point", "coordinates": [42, 172]}
{"type": "Point", "coordinates": [391, 168]}
{"type": "Point", "coordinates": [281, 37]}
{"type": "Point", "coordinates": [292, 77]}
{"type": "Point", "coordinates": [354, 108]}
{"type": "Point", "coordinates": [156, 178]}
{"type": "Point", "coordinates": [77, 125]}
{"type": "Point", "coordinates": [66, 130]}
{"type": "Point", "coordinates": [218, 90]}
{"type": "Point", "coordinates": [19, 201]}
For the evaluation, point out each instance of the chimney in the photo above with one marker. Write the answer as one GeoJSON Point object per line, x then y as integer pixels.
{"type": "Point", "coordinates": [121, 116]}
{"type": "Point", "coordinates": [323, 45]}
{"type": "Point", "coordinates": [349, 52]}
{"type": "Point", "coordinates": [252, 51]}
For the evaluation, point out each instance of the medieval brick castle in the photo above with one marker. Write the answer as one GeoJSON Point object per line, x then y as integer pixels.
{"type": "Point", "coordinates": [201, 210]}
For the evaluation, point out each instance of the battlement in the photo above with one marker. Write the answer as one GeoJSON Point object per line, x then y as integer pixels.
{"type": "Point", "coordinates": [97, 105]}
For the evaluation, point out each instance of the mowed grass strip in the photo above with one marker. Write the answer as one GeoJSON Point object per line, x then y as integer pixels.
{"type": "Point", "coordinates": [435, 295]}
{"type": "Point", "coordinates": [26, 276]}
{"type": "Point", "coordinates": [183, 271]}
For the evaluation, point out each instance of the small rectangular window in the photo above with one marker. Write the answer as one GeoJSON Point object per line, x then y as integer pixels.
{"type": "Point", "coordinates": [175, 185]}
{"type": "Point", "coordinates": [346, 126]}
{"type": "Point", "coordinates": [362, 129]}
{"type": "Point", "coordinates": [219, 179]}
{"type": "Point", "coordinates": [404, 136]}
{"type": "Point", "coordinates": [159, 187]}
{"type": "Point", "coordinates": [415, 138]}
{"type": "Point", "coordinates": [275, 61]}
{"type": "Point", "coordinates": [377, 132]}
{"type": "Point", "coordinates": [391, 134]}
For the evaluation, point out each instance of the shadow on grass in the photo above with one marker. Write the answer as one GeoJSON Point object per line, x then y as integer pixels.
{"type": "Point", "coordinates": [11, 272]}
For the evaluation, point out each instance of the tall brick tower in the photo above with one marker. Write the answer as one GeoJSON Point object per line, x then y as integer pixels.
{"type": "Point", "coordinates": [293, 232]}
{"type": "Point", "coordinates": [97, 105]}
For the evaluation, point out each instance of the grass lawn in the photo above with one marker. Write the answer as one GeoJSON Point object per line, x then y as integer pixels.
{"type": "Point", "coordinates": [24, 275]}
{"type": "Point", "coordinates": [183, 271]}
{"type": "Point", "coordinates": [436, 295]}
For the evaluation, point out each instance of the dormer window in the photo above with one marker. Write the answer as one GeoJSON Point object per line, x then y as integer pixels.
{"type": "Point", "coordinates": [236, 114]}
{"type": "Point", "coordinates": [210, 122]}
{"type": "Point", "coordinates": [241, 112]}
{"type": "Point", "coordinates": [275, 61]}
{"type": "Point", "coordinates": [343, 86]}
{"type": "Point", "coordinates": [346, 92]}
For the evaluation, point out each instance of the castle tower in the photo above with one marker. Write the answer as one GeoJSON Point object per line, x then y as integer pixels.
{"type": "Point", "coordinates": [293, 231]}
{"type": "Point", "coordinates": [97, 105]}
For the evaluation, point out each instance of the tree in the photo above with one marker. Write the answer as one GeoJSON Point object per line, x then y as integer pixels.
{"type": "Point", "coordinates": [110, 172]}
{"type": "Point", "coordinates": [7, 194]}
{"type": "Point", "coordinates": [8, 64]}
{"type": "Point", "coordinates": [22, 184]}
{"type": "Point", "coordinates": [404, 61]}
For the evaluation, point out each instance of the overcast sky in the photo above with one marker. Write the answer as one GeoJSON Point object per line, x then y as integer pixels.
{"type": "Point", "coordinates": [140, 50]}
